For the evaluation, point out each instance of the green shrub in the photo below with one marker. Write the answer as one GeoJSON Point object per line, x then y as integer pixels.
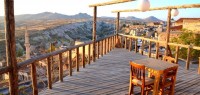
{"type": "Point", "coordinates": [187, 38]}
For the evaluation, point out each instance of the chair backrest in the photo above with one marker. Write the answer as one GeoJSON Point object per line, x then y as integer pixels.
{"type": "Point", "coordinates": [169, 59]}
{"type": "Point", "coordinates": [168, 79]}
{"type": "Point", "coordinates": [137, 71]}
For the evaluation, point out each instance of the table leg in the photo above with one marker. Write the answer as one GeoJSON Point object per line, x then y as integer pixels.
{"type": "Point", "coordinates": [156, 84]}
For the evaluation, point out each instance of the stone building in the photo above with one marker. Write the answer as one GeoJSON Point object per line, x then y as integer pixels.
{"type": "Point", "coordinates": [192, 24]}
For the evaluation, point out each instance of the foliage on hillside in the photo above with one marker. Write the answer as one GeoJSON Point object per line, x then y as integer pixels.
{"type": "Point", "coordinates": [188, 38]}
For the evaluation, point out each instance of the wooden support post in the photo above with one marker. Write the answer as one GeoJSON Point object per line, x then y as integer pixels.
{"type": "Point", "coordinates": [130, 44]}
{"type": "Point", "coordinates": [102, 48]}
{"type": "Point", "coordinates": [77, 59]}
{"type": "Point", "coordinates": [136, 45]}
{"type": "Point", "coordinates": [125, 43]}
{"type": "Point", "coordinates": [70, 62]}
{"type": "Point", "coordinates": [117, 23]}
{"type": "Point", "coordinates": [60, 68]}
{"type": "Point", "coordinates": [83, 57]}
{"type": "Point", "coordinates": [149, 55]}
{"type": "Point", "coordinates": [157, 50]}
{"type": "Point", "coordinates": [10, 46]}
{"type": "Point", "coordinates": [94, 33]}
{"type": "Point", "coordinates": [89, 53]}
{"type": "Point", "coordinates": [188, 58]}
{"type": "Point", "coordinates": [199, 66]}
{"type": "Point", "coordinates": [49, 73]}
{"type": "Point", "coordinates": [176, 56]}
{"type": "Point", "coordinates": [168, 31]}
{"type": "Point", "coordinates": [34, 79]}
{"type": "Point", "coordinates": [142, 49]}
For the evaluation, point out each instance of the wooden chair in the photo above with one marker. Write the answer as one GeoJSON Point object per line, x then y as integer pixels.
{"type": "Point", "coordinates": [169, 59]}
{"type": "Point", "coordinates": [137, 78]}
{"type": "Point", "coordinates": [167, 84]}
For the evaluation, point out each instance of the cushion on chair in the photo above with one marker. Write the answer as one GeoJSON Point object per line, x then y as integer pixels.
{"type": "Point", "coordinates": [148, 81]}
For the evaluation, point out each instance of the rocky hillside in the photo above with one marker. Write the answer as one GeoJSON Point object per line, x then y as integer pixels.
{"type": "Point", "coordinates": [62, 35]}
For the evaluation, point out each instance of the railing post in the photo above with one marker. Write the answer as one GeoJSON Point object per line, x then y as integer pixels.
{"type": "Point", "coordinates": [112, 45]}
{"type": "Point", "coordinates": [135, 45]}
{"type": "Point", "coordinates": [149, 55]}
{"type": "Point", "coordinates": [98, 52]}
{"type": "Point", "coordinates": [34, 79]}
{"type": "Point", "coordinates": [130, 44]}
{"type": "Point", "coordinates": [199, 66]}
{"type": "Point", "coordinates": [108, 45]}
{"type": "Point", "coordinates": [77, 59]}
{"type": "Point", "coordinates": [70, 62]}
{"type": "Point", "coordinates": [157, 50]}
{"type": "Point", "coordinates": [177, 52]}
{"type": "Point", "coordinates": [89, 54]}
{"type": "Point", "coordinates": [83, 57]}
{"type": "Point", "coordinates": [49, 73]}
{"type": "Point", "coordinates": [142, 49]}
{"type": "Point", "coordinates": [107, 50]}
{"type": "Point", "coordinates": [188, 57]}
{"type": "Point", "coordinates": [60, 68]}
{"type": "Point", "coordinates": [125, 43]}
{"type": "Point", "coordinates": [102, 48]}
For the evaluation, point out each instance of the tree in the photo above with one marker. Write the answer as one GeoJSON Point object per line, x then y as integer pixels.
{"type": "Point", "coordinates": [188, 38]}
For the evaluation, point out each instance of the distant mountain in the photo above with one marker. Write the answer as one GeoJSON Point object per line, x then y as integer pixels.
{"type": "Point", "coordinates": [133, 18]}
{"type": "Point", "coordinates": [40, 16]}
{"type": "Point", "coordinates": [49, 16]}
{"type": "Point", "coordinates": [80, 15]}
{"type": "Point", "coordinates": [151, 19]}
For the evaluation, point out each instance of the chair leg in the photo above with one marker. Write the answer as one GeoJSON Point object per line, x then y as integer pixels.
{"type": "Point", "coordinates": [130, 88]}
{"type": "Point", "coordinates": [142, 91]}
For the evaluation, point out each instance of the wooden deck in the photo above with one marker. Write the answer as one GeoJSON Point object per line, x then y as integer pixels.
{"type": "Point", "coordinates": [110, 75]}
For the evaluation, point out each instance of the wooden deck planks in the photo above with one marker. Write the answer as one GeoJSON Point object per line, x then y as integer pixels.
{"type": "Point", "coordinates": [109, 75]}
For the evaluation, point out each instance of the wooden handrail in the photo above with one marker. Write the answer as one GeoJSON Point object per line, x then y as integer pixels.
{"type": "Point", "coordinates": [50, 55]}
{"type": "Point", "coordinates": [178, 46]}
{"type": "Point", "coordinates": [153, 40]}
{"type": "Point", "coordinates": [5, 70]}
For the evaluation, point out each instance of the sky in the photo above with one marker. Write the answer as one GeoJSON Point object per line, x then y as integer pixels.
{"type": "Point", "coordinates": [71, 7]}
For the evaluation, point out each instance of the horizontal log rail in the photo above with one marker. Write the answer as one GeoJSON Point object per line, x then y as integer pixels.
{"type": "Point", "coordinates": [163, 42]}
{"type": "Point", "coordinates": [59, 53]}
{"type": "Point", "coordinates": [157, 43]}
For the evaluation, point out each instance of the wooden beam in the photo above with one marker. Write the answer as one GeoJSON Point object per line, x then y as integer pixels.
{"type": "Point", "coordinates": [168, 31]}
{"type": "Point", "coordinates": [161, 8]}
{"type": "Point", "coordinates": [10, 46]}
{"type": "Point", "coordinates": [94, 33]}
{"type": "Point", "coordinates": [110, 3]}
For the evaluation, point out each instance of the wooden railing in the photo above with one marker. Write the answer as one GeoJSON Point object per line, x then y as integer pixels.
{"type": "Point", "coordinates": [103, 46]}
{"type": "Point", "coordinates": [178, 46]}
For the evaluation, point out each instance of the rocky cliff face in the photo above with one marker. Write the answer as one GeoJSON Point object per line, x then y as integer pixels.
{"type": "Point", "coordinates": [64, 35]}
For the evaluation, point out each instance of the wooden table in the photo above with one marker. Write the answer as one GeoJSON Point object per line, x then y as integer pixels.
{"type": "Point", "coordinates": [156, 67]}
